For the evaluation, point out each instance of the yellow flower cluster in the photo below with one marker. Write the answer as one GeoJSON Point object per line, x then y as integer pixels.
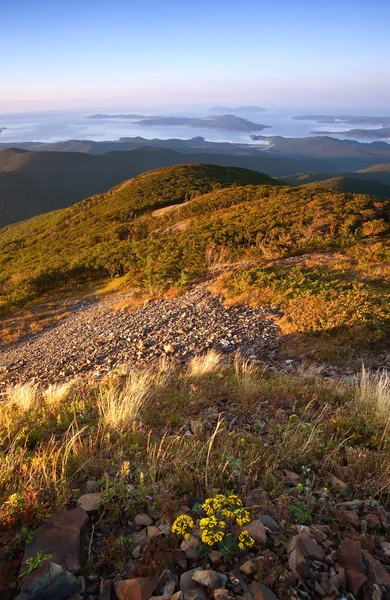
{"type": "Point", "coordinates": [212, 530]}
{"type": "Point", "coordinates": [245, 540]}
{"type": "Point", "coordinates": [183, 525]}
{"type": "Point", "coordinates": [242, 517]}
{"type": "Point", "coordinates": [229, 507]}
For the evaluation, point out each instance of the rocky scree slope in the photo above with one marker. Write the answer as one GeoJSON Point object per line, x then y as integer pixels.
{"type": "Point", "coordinates": [96, 338]}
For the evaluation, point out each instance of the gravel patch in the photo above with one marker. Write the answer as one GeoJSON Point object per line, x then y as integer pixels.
{"type": "Point", "coordinates": [95, 338]}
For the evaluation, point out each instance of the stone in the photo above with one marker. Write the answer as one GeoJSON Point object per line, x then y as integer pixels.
{"type": "Point", "coordinates": [49, 581]}
{"type": "Point", "coordinates": [337, 483]}
{"type": "Point", "coordinates": [139, 588]}
{"type": "Point", "coordinates": [375, 571]}
{"type": "Point", "coordinates": [262, 592]}
{"type": "Point", "coordinates": [179, 558]}
{"type": "Point", "coordinates": [210, 579]}
{"type": "Point", "coordinates": [269, 523]}
{"type": "Point", "coordinates": [63, 537]}
{"type": "Point", "coordinates": [152, 531]}
{"type": "Point", "coordinates": [167, 583]}
{"type": "Point", "coordinates": [292, 478]}
{"type": "Point", "coordinates": [373, 521]}
{"type": "Point", "coordinates": [385, 547]}
{"type": "Point", "coordinates": [299, 548]}
{"type": "Point", "coordinates": [90, 502]}
{"type": "Point", "coordinates": [329, 588]}
{"type": "Point", "coordinates": [169, 348]}
{"type": "Point", "coordinates": [222, 594]}
{"type": "Point", "coordinates": [248, 567]}
{"type": "Point", "coordinates": [186, 581]}
{"type": "Point", "coordinates": [310, 548]}
{"type": "Point", "coordinates": [143, 519]}
{"type": "Point", "coordinates": [105, 589]}
{"type": "Point", "coordinates": [192, 554]}
{"type": "Point", "coordinates": [256, 529]}
{"type": "Point", "coordinates": [215, 557]}
{"type": "Point", "coordinates": [192, 542]}
{"type": "Point", "coordinates": [350, 556]}
{"type": "Point", "coordinates": [198, 594]}
{"type": "Point", "coordinates": [90, 486]}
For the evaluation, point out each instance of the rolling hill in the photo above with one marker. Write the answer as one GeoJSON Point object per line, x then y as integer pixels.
{"type": "Point", "coordinates": [32, 183]}
{"type": "Point", "coordinates": [352, 185]}
{"type": "Point", "coordinates": [124, 232]}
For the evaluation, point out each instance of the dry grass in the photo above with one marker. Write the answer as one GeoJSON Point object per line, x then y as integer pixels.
{"type": "Point", "coordinates": [24, 396]}
{"type": "Point", "coordinates": [373, 395]}
{"type": "Point", "coordinates": [120, 403]}
{"type": "Point", "coordinates": [204, 364]}
{"type": "Point", "coordinates": [48, 437]}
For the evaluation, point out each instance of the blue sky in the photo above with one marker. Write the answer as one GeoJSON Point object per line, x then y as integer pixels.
{"type": "Point", "coordinates": [91, 53]}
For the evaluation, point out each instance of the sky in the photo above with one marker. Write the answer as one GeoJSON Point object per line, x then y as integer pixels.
{"type": "Point", "coordinates": [68, 54]}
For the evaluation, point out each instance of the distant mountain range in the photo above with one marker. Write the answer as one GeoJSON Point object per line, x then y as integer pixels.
{"type": "Point", "coordinates": [37, 182]}
{"type": "Point", "coordinates": [121, 116]}
{"type": "Point", "coordinates": [382, 133]}
{"type": "Point", "coordinates": [237, 109]}
{"type": "Point", "coordinates": [354, 119]}
{"type": "Point", "coordinates": [225, 122]}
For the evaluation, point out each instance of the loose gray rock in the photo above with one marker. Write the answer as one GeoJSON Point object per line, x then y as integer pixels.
{"type": "Point", "coordinates": [49, 581]}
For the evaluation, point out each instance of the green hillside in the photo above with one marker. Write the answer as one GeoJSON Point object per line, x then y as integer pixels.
{"type": "Point", "coordinates": [352, 185]}
{"type": "Point", "coordinates": [96, 236]}
{"type": "Point", "coordinates": [319, 254]}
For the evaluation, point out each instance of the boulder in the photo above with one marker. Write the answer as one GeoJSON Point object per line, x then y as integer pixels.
{"type": "Point", "coordinates": [90, 502]}
{"type": "Point", "coordinates": [143, 519]}
{"type": "Point", "coordinates": [256, 529]}
{"type": "Point", "coordinates": [63, 537]}
{"type": "Point", "coordinates": [375, 571]}
{"type": "Point", "coordinates": [49, 581]}
{"type": "Point", "coordinates": [262, 592]}
{"type": "Point", "coordinates": [139, 588]}
{"type": "Point", "coordinates": [167, 583]}
{"type": "Point", "coordinates": [350, 557]}
{"type": "Point", "coordinates": [210, 579]}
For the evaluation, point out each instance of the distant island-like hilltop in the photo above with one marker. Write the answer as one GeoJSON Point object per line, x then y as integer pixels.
{"type": "Point", "coordinates": [353, 119]}
{"type": "Point", "coordinates": [237, 109]}
{"type": "Point", "coordinates": [224, 122]}
{"type": "Point", "coordinates": [383, 133]}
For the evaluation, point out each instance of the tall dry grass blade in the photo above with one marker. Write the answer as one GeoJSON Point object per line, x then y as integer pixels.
{"type": "Point", "coordinates": [204, 364]}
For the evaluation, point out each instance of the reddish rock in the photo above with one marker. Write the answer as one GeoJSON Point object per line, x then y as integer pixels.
{"type": "Point", "coordinates": [350, 556]}
{"type": "Point", "coordinates": [152, 531]}
{"type": "Point", "coordinates": [375, 571]}
{"type": "Point", "coordinates": [296, 558]}
{"type": "Point", "coordinates": [262, 592]}
{"type": "Point", "coordinates": [292, 477]}
{"type": "Point", "coordinates": [337, 483]}
{"type": "Point", "coordinates": [256, 529]}
{"type": "Point", "coordinates": [139, 588]}
{"type": "Point", "coordinates": [373, 521]}
{"type": "Point", "coordinates": [128, 589]}
{"type": "Point", "coordinates": [63, 537]}
{"type": "Point", "coordinates": [346, 517]}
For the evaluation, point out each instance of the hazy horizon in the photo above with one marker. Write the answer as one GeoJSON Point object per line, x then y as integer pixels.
{"type": "Point", "coordinates": [88, 55]}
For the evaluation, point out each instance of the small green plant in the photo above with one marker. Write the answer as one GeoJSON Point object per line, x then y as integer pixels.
{"type": "Point", "coordinates": [299, 512]}
{"type": "Point", "coordinates": [34, 562]}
